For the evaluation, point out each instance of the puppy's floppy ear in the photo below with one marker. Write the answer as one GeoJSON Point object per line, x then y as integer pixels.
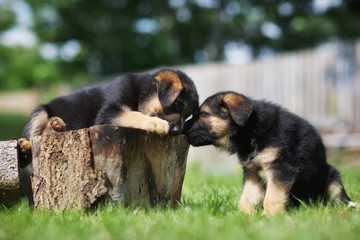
{"type": "Point", "coordinates": [239, 107]}
{"type": "Point", "coordinates": [169, 87]}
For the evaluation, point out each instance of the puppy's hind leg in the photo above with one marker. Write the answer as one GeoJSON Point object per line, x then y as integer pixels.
{"type": "Point", "coordinates": [55, 124]}
{"type": "Point", "coordinates": [38, 124]}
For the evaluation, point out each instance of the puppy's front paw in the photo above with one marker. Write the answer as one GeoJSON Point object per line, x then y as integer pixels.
{"type": "Point", "coordinates": [246, 207]}
{"type": "Point", "coordinates": [25, 152]}
{"type": "Point", "coordinates": [158, 126]}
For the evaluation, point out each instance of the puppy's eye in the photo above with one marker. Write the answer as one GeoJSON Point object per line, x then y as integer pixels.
{"type": "Point", "coordinates": [178, 105]}
{"type": "Point", "coordinates": [204, 114]}
{"type": "Point", "coordinates": [224, 110]}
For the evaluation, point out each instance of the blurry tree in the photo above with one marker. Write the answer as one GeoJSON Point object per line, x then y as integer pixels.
{"type": "Point", "coordinates": [81, 39]}
{"type": "Point", "coordinates": [7, 18]}
{"type": "Point", "coordinates": [22, 67]}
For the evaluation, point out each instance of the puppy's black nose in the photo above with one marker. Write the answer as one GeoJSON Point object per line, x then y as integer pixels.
{"type": "Point", "coordinates": [175, 130]}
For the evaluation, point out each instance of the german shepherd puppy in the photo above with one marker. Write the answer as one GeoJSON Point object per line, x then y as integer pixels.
{"type": "Point", "coordinates": [267, 137]}
{"type": "Point", "coordinates": [153, 101]}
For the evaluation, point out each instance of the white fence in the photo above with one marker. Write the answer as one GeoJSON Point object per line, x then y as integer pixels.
{"type": "Point", "coordinates": [322, 85]}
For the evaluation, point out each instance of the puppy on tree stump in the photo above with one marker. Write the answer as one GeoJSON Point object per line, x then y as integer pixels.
{"type": "Point", "coordinates": [81, 168]}
{"type": "Point", "coordinates": [155, 101]}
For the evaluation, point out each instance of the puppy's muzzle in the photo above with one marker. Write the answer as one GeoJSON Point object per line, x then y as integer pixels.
{"type": "Point", "coordinates": [176, 129]}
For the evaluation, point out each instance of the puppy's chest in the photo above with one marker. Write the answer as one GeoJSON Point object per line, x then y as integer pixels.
{"type": "Point", "coordinates": [260, 159]}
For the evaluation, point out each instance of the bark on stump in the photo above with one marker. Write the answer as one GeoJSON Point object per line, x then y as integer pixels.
{"type": "Point", "coordinates": [9, 173]}
{"type": "Point", "coordinates": [142, 168]}
{"type": "Point", "coordinates": [63, 174]}
{"type": "Point", "coordinates": [131, 166]}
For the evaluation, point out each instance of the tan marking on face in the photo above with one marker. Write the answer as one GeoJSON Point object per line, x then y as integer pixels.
{"type": "Point", "coordinates": [224, 112]}
{"type": "Point", "coordinates": [224, 144]}
{"type": "Point", "coordinates": [222, 132]}
{"type": "Point", "coordinates": [206, 109]}
{"type": "Point", "coordinates": [38, 123]}
{"type": "Point", "coordinates": [266, 157]}
{"type": "Point", "coordinates": [253, 192]}
{"type": "Point", "coordinates": [138, 120]}
{"type": "Point", "coordinates": [151, 107]}
{"type": "Point", "coordinates": [219, 126]}
{"type": "Point", "coordinates": [334, 191]}
{"type": "Point", "coordinates": [170, 76]}
{"type": "Point", "coordinates": [173, 118]}
{"type": "Point", "coordinates": [276, 196]}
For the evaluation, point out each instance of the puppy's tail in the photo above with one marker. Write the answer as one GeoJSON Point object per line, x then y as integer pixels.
{"type": "Point", "coordinates": [37, 121]}
{"type": "Point", "coordinates": [335, 190]}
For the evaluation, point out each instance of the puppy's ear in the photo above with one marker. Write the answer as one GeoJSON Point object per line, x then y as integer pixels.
{"type": "Point", "coordinates": [169, 87]}
{"type": "Point", "coordinates": [240, 108]}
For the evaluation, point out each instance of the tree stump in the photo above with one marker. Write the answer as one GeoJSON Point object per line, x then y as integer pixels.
{"type": "Point", "coordinates": [83, 167]}
{"type": "Point", "coordinates": [63, 176]}
{"type": "Point", "coordinates": [142, 167]}
{"type": "Point", "coordinates": [9, 173]}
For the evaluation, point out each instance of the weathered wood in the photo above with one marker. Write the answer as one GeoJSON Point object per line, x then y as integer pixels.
{"type": "Point", "coordinates": [142, 167]}
{"type": "Point", "coordinates": [125, 165]}
{"type": "Point", "coordinates": [63, 173]}
{"type": "Point", "coordinates": [9, 173]}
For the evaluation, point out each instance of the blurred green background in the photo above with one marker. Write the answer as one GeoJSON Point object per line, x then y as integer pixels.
{"type": "Point", "coordinates": [11, 125]}
{"type": "Point", "coordinates": [77, 42]}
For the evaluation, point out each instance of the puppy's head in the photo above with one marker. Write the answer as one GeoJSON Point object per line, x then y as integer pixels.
{"type": "Point", "coordinates": [218, 119]}
{"type": "Point", "coordinates": [178, 98]}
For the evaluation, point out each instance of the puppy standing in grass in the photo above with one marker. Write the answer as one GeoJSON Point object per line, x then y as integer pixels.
{"type": "Point", "coordinates": [153, 101]}
{"type": "Point", "coordinates": [266, 137]}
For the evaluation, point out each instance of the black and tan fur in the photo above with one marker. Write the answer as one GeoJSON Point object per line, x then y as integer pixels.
{"type": "Point", "coordinates": [153, 101]}
{"type": "Point", "coordinates": [268, 138]}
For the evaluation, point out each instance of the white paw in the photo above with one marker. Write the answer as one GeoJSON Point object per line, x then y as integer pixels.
{"type": "Point", "coordinates": [158, 126]}
{"type": "Point", "coordinates": [246, 207]}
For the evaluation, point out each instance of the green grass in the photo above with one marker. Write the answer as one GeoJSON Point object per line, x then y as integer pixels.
{"type": "Point", "coordinates": [208, 211]}
{"type": "Point", "coordinates": [11, 125]}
